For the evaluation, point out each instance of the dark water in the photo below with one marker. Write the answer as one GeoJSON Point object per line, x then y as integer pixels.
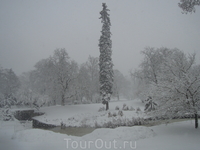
{"type": "Point", "coordinates": [74, 131]}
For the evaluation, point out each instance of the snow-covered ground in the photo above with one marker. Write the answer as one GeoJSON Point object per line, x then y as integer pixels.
{"type": "Point", "coordinates": [88, 115]}
{"type": "Point", "coordinates": [174, 136]}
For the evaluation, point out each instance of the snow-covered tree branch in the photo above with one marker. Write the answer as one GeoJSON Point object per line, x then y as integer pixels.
{"type": "Point", "coordinates": [173, 82]}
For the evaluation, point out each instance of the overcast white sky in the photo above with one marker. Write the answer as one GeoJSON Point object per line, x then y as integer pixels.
{"type": "Point", "coordinates": [31, 30]}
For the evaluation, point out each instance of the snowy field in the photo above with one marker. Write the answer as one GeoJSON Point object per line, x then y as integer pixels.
{"type": "Point", "coordinates": [174, 136]}
{"type": "Point", "coordinates": [88, 115]}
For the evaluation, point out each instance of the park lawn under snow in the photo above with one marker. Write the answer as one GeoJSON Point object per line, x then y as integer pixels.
{"type": "Point", "coordinates": [174, 136]}
{"type": "Point", "coordinates": [87, 114]}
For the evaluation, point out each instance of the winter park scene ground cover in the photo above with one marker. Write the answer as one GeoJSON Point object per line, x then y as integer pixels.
{"type": "Point", "coordinates": [63, 104]}
{"type": "Point", "coordinates": [175, 135]}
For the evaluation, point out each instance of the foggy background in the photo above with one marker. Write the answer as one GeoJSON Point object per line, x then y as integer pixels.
{"type": "Point", "coordinates": [32, 30]}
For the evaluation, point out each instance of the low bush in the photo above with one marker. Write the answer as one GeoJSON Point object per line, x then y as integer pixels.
{"type": "Point", "coordinates": [101, 109]}
{"type": "Point", "coordinates": [109, 114]}
{"type": "Point", "coordinates": [117, 108]}
{"type": "Point", "coordinates": [120, 113]}
{"type": "Point", "coordinates": [117, 122]}
{"type": "Point", "coordinates": [132, 109]}
{"type": "Point", "coordinates": [126, 108]}
{"type": "Point", "coordinates": [6, 115]}
{"type": "Point", "coordinates": [138, 109]}
{"type": "Point", "coordinates": [62, 125]}
{"type": "Point", "coordinates": [114, 114]}
{"type": "Point", "coordinates": [124, 105]}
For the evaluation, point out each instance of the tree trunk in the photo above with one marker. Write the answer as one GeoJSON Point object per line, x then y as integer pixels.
{"type": "Point", "coordinates": [196, 120]}
{"type": "Point", "coordinates": [107, 105]}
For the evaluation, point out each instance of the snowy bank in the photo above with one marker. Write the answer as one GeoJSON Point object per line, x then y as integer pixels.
{"type": "Point", "coordinates": [174, 136]}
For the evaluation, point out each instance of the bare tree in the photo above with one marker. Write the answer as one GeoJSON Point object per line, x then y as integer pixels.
{"type": "Point", "coordinates": [93, 72]}
{"type": "Point", "coordinates": [64, 70]}
{"type": "Point", "coordinates": [121, 85]}
{"type": "Point", "coordinates": [88, 79]}
{"type": "Point", "coordinates": [54, 76]}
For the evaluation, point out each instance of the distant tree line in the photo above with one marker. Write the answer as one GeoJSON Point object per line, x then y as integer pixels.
{"type": "Point", "coordinates": [58, 80]}
{"type": "Point", "coordinates": [9, 84]}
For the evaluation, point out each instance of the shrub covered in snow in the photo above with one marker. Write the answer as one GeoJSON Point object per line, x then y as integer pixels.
{"type": "Point", "coordinates": [117, 108]}
{"type": "Point", "coordinates": [120, 121]}
{"type": "Point", "coordinates": [132, 109]}
{"type": "Point", "coordinates": [120, 113]}
{"type": "Point", "coordinates": [125, 107]}
{"type": "Point", "coordinates": [150, 105]}
{"type": "Point", "coordinates": [101, 109]}
{"type": "Point", "coordinates": [62, 125]}
{"type": "Point", "coordinates": [138, 121]}
{"type": "Point", "coordinates": [6, 115]}
{"type": "Point", "coordinates": [109, 114]}
{"type": "Point", "coordinates": [138, 109]}
{"type": "Point", "coordinates": [114, 114]}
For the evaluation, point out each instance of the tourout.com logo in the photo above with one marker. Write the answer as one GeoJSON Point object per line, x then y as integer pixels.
{"type": "Point", "coordinates": [99, 144]}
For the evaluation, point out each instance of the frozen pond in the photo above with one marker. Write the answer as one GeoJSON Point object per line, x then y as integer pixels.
{"type": "Point", "coordinates": [74, 131]}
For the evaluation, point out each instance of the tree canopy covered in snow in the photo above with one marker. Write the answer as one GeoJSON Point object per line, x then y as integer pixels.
{"type": "Point", "coordinates": [188, 5]}
{"type": "Point", "coordinates": [9, 84]}
{"type": "Point", "coordinates": [105, 60]}
{"type": "Point", "coordinates": [172, 80]}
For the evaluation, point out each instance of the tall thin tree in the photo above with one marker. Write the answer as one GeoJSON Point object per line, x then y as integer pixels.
{"type": "Point", "coordinates": [105, 60]}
